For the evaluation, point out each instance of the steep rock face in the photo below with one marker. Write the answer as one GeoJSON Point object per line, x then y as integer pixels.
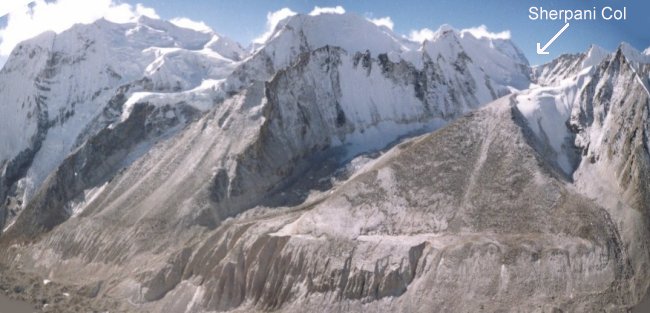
{"type": "Point", "coordinates": [612, 130]}
{"type": "Point", "coordinates": [611, 123]}
{"type": "Point", "coordinates": [95, 163]}
{"type": "Point", "coordinates": [616, 100]}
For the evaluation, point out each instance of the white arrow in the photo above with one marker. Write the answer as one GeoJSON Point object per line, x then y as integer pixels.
{"type": "Point", "coordinates": [541, 50]}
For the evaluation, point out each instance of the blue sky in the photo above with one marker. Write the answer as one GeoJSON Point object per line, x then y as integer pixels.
{"type": "Point", "coordinates": [244, 20]}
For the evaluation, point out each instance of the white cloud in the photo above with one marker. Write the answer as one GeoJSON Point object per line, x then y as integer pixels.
{"type": "Point", "coordinates": [383, 21]}
{"type": "Point", "coordinates": [327, 10]}
{"type": "Point", "coordinates": [188, 23]}
{"type": "Point", "coordinates": [141, 10]}
{"type": "Point", "coordinates": [272, 20]}
{"type": "Point", "coordinates": [421, 35]}
{"type": "Point", "coordinates": [482, 32]}
{"type": "Point", "coordinates": [647, 51]}
{"type": "Point", "coordinates": [26, 22]}
{"type": "Point", "coordinates": [7, 7]}
{"type": "Point", "coordinates": [479, 32]}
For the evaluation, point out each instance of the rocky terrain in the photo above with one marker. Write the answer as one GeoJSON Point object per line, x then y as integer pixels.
{"type": "Point", "coordinates": [337, 167]}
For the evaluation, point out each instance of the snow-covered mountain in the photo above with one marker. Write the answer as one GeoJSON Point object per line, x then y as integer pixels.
{"type": "Point", "coordinates": [60, 90]}
{"type": "Point", "coordinates": [173, 171]}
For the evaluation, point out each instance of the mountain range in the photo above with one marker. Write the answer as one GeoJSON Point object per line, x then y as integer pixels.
{"type": "Point", "coordinates": [338, 166]}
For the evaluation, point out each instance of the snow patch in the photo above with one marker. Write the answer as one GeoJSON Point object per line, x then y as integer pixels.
{"type": "Point", "coordinates": [201, 98]}
{"type": "Point", "coordinates": [88, 197]}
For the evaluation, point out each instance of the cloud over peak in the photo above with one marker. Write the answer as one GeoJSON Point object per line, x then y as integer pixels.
{"type": "Point", "coordinates": [482, 32]}
{"type": "Point", "coordinates": [274, 18]}
{"type": "Point", "coordinates": [185, 22]}
{"type": "Point", "coordinates": [383, 21]}
{"type": "Point", "coordinates": [272, 21]}
{"type": "Point", "coordinates": [327, 10]}
{"type": "Point", "coordinates": [420, 35]}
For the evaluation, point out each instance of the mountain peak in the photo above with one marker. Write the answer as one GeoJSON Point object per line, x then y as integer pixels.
{"type": "Point", "coordinates": [594, 56]}
{"type": "Point", "coordinates": [348, 31]}
{"type": "Point", "coordinates": [632, 54]}
{"type": "Point", "coordinates": [445, 30]}
{"type": "Point", "coordinates": [596, 49]}
{"type": "Point", "coordinates": [146, 20]}
{"type": "Point", "coordinates": [499, 58]}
